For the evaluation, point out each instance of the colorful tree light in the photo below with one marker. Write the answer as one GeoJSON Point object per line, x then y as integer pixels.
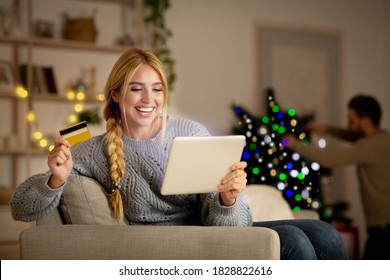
{"type": "Point", "coordinates": [271, 162]}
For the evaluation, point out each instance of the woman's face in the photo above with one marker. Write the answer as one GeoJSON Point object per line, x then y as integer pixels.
{"type": "Point", "coordinates": [143, 103]}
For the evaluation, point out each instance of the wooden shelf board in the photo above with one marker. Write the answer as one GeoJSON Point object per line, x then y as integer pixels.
{"type": "Point", "coordinates": [63, 44]}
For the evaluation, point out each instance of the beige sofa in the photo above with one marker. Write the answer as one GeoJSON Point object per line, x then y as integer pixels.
{"type": "Point", "coordinates": [85, 229]}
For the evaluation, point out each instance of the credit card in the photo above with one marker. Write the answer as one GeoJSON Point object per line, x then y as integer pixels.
{"type": "Point", "coordinates": [76, 133]}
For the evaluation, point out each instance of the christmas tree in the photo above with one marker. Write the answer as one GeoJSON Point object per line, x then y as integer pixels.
{"type": "Point", "coordinates": [271, 163]}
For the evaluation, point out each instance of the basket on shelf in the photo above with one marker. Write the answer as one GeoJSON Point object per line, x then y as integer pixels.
{"type": "Point", "coordinates": [80, 29]}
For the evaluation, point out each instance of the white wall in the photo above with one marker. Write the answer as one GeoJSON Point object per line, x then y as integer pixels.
{"type": "Point", "coordinates": [214, 45]}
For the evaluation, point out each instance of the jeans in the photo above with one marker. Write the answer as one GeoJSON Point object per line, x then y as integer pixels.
{"type": "Point", "coordinates": [307, 239]}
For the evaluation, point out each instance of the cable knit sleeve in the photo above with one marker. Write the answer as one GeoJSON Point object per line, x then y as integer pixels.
{"type": "Point", "coordinates": [34, 199]}
{"type": "Point", "coordinates": [215, 214]}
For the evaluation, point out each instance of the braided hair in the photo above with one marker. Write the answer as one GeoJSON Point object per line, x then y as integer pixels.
{"type": "Point", "coordinates": [120, 76]}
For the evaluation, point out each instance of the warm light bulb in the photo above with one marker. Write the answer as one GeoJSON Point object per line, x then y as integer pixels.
{"type": "Point", "coordinates": [21, 92]}
{"type": "Point", "coordinates": [70, 95]}
{"type": "Point", "coordinates": [78, 107]}
{"type": "Point", "coordinates": [315, 204]}
{"type": "Point", "coordinates": [80, 95]}
{"type": "Point", "coordinates": [43, 143]}
{"type": "Point", "coordinates": [293, 122]}
{"type": "Point", "coordinates": [51, 147]}
{"type": "Point", "coordinates": [30, 116]}
{"type": "Point", "coordinates": [37, 135]}
{"type": "Point", "coordinates": [100, 97]}
{"type": "Point", "coordinates": [72, 118]}
{"type": "Point", "coordinates": [263, 130]}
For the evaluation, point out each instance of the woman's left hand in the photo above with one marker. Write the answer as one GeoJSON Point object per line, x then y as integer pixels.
{"type": "Point", "coordinates": [233, 183]}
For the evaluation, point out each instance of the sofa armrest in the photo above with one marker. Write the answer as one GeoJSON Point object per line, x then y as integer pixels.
{"type": "Point", "coordinates": [98, 242]}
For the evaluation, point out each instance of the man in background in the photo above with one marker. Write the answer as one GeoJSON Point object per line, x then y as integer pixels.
{"type": "Point", "coordinates": [370, 152]}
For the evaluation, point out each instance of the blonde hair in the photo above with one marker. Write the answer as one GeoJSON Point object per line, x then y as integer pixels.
{"type": "Point", "coordinates": [120, 76]}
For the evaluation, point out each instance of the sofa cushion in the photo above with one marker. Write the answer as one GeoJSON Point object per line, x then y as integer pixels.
{"type": "Point", "coordinates": [84, 202]}
{"type": "Point", "coordinates": [267, 203]}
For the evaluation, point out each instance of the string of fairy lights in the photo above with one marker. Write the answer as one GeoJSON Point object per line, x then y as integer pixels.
{"type": "Point", "coordinates": [77, 97]}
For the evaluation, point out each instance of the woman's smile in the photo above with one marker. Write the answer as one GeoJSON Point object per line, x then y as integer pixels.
{"type": "Point", "coordinates": [145, 111]}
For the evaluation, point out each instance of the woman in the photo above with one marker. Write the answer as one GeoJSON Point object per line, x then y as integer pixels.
{"type": "Point", "coordinates": [131, 157]}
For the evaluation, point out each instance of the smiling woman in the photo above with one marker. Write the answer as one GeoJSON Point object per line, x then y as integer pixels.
{"type": "Point", "coordinates": [130, 159]}
{"type": "Point", "coordinates": [142, 103]}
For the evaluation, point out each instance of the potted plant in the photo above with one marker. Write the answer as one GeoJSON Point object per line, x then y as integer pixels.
{"type": "Point", "coordinates": [160, 33]}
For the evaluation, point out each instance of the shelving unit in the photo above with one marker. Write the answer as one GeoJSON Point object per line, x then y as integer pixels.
{"type": "Point", "coordinates": [28, 45]}
{"type": "Point", "coordinates": [17, 162]}
{"type": "Point", "coordinates": [60, 44]}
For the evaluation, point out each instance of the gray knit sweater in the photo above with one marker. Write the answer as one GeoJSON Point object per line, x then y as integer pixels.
{"type": "Point", "coordinates": [145, 166]}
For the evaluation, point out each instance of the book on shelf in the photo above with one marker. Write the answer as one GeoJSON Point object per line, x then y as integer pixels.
{"type": "Point", "coordinates": [50, 79]}
{"type": "Point", "coordinates": [43, 79]}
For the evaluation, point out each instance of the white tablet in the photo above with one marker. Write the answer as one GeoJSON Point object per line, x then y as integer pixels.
{"type": "Point", "coordinates": [198, 164]}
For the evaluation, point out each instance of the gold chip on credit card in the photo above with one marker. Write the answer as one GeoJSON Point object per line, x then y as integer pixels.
{"type": "Point", "coordinates": [76, 133]}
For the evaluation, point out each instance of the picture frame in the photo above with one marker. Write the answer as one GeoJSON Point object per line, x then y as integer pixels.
{"type": "Point", "coordinates": [303, 66]}
{"type": "Point", "coordinates": [7, 79]}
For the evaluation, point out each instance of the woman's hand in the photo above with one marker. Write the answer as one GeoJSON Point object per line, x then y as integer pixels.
{"type": "Point", "coordinates": [60, 163]}
{"type": "Point", "coordinates": [233, 183]}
